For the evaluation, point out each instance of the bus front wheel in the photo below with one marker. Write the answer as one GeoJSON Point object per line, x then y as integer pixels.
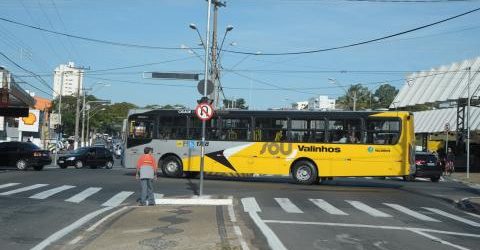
{"type": "Point", "coordinates": [171, 167]}
{"type": "Point", "coordinates": [305, 172]}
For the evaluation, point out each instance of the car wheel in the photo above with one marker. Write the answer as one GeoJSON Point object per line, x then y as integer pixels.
{"type": "Point", "coordinates": [21, 165]}
{"type": "Point", "coordinates": [78, 164]}
{"type": "Point", "coordinates": [109, 165]}
{"type": "Point", "coordinates": [409, 178]}
{"type": "Point", "coordinates": [435, 179]}
{"type": "Point", "coordinates": [172, 167]}
{"type": "Point", "coordinates": [38, 168]}
{"type": "Point", "coordinates": [304, 172]}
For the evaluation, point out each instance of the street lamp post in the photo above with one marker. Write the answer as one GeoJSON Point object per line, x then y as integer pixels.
{"type": "Point", "coordinates": [84, 107]}
{"type": "Point", "coordinates": [87, 107]}
{"type": "Point", "coordinates": [88, 122]}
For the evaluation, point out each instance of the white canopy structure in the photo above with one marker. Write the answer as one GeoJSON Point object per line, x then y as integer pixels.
{"type": "Point", "coordinates": [442, 84]}
{"type": "Point", "coordinates": [433, 121]}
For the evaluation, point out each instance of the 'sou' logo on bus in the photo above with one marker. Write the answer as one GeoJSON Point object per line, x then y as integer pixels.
{"type": "Point", "coordinates": [274, 148]}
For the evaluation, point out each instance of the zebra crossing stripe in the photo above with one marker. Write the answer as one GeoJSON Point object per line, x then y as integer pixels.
{"type": "Point", "coordinates": [8, 185]}
{"type": "Point", "coordinates": [83, 195]}
{"type": "Point", "coordinates": [50, 192]}
{"type": "Point", "coordinates": [27, 188]}
{"type": "Point", "coordinates": [452, 216]}
{"type": "Point", "coordinates": [288, 206]}
{"type": "Point", "coordinates": [327, 207]}
{"type": "Point", "coordinates": [117, 199]}
{"type": "Point", "coordinates": [158, 196]}
{"type": "Point", "coordinates": [367, 209]}
{"type": "Point", "coordinates": [411, 212]}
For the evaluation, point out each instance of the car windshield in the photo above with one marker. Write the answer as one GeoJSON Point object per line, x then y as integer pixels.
{"type": "Point", "coordinates": [31, 146]}
{"type": "Point", "coordinates": [80, 151]}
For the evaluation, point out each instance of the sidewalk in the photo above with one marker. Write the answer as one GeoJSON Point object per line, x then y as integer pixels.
{"type": "Point", "coordinates": [162, 227]}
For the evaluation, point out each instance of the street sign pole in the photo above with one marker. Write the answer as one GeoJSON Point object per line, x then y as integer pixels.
{"type": "Point", "coordinates": [202, 146]}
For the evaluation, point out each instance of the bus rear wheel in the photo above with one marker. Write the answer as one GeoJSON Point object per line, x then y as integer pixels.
{"type": "Point", "coordinates": [172, 167]}
{"type": "Point", "coordinates": [305, 172]}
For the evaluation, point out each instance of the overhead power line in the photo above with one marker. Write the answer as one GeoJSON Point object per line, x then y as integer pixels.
{"type": "Point", "coordinates": [122, 44]}
{"type": "Point", "coordinates": [353, 44]}
{"type": "Point", "coordinates": [39, 78]}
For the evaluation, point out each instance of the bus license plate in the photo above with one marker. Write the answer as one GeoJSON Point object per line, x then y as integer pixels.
{"type": "Point", "coordinates": [431, 164]}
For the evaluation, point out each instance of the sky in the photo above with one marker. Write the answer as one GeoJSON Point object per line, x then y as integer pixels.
{"type": "Point", "coordinates": [260, 27]}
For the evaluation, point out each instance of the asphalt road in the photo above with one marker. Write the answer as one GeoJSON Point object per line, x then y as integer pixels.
{"type": "Point", "coordinates": [348, 213]}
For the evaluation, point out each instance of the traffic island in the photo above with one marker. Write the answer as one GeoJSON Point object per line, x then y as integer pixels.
{"type": "Point", "coordinates": [161, 227]}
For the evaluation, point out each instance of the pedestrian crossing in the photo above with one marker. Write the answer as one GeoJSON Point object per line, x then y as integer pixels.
{"type": "Point", "coordinates": [390, 210]}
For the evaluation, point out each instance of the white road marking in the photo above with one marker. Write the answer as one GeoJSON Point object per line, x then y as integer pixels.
{"type": "Point", "coordinates": [243, 243]}
{"type": "Point", "coordinates": [83, 195]}
{"type": "Point", "coordinates": [411, 212]}
{"type": "Point", "coordinates": [327, 207]}
{"type": "Point", "coordinates": [27, 188]}
{"type": "Point", "coordinates": [76, 240]}
{"type": "Point", "coordinates": [288, 206]}
{"type": "Point", "coordinates": [367, 209]}
{"type": "Point", "coordinates": [231, 212]}
{"type": "Point", "coordinates": [250, 206]}
{"type": "Point", "coordinates": [117, 199]}
{"type": "Point", "coordinates": [50, 192]}
{"type": "Point", "coordinates": [158, 196]}
{"type": "Point", "coordinates": [59, 234]}
{"type": "Point", "coordinates": [370, 226]}
{"type": "Point", "coordinates": [472, 214]}
{"type": "Point", "coordinates": [195, 201]}
{"type": "Point", "coordinates": [104, 219]}
{"type": "Point", "coordinates": [8, 185]}
{"type": "Point", "coordinates": [452, 216]}
{"type": "Point", "coordinates": [429, 236]}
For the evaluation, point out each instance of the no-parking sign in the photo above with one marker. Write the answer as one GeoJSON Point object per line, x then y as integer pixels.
{"type": "Point", "coordinates": [204, 111]}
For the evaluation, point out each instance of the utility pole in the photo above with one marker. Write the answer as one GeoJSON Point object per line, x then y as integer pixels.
{"type": "Point", "coordinates": [468, 120]}
{"type": "Point", "coordinates": [355, 100]}
{"type": "Point", "coordinates": [214, 72]}
{"type": "Point", "coordinates": [77, 113]}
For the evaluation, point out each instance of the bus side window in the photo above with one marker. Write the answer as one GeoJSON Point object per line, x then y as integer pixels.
{"type": "Point", "coordinates": [383, 131]}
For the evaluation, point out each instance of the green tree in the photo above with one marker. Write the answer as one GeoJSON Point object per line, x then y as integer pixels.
{"type": "Point", "coordinates": [237, 103]}
{"type": "Point", "coordinates": [358, 92]}
{"type": "Point", "coordinates": [384, 96]}
{"type": "Point", "coordinates": [69, 108]}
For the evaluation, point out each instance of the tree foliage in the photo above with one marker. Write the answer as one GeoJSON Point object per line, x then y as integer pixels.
{"type": "Point", "coordinates": [365, 99]}
{"type": "Point", "coordinates": [103, 118]}
{"type": "Point", "coordinates": [239, 103]}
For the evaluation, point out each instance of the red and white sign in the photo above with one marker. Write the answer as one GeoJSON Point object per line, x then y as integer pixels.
{"type": "Point", "coordinates": [204, 111]}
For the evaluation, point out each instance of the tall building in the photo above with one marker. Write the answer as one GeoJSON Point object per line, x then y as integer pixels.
{"type": "Point", "coordinates": [66, 80]}
{"type": "Point", "coordinates": [321, 103]}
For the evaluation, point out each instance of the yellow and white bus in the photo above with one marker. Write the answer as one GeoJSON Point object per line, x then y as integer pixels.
{"type": "Point", "coordinates": [307, 145]}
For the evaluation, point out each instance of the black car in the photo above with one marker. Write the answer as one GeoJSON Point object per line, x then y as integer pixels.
{"type": "Point", "coordinates": [428, 166]}
{"type": "Point", "coordinates": [87, 156]}
{"type": "Point", "coordinates": [23, 155]}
